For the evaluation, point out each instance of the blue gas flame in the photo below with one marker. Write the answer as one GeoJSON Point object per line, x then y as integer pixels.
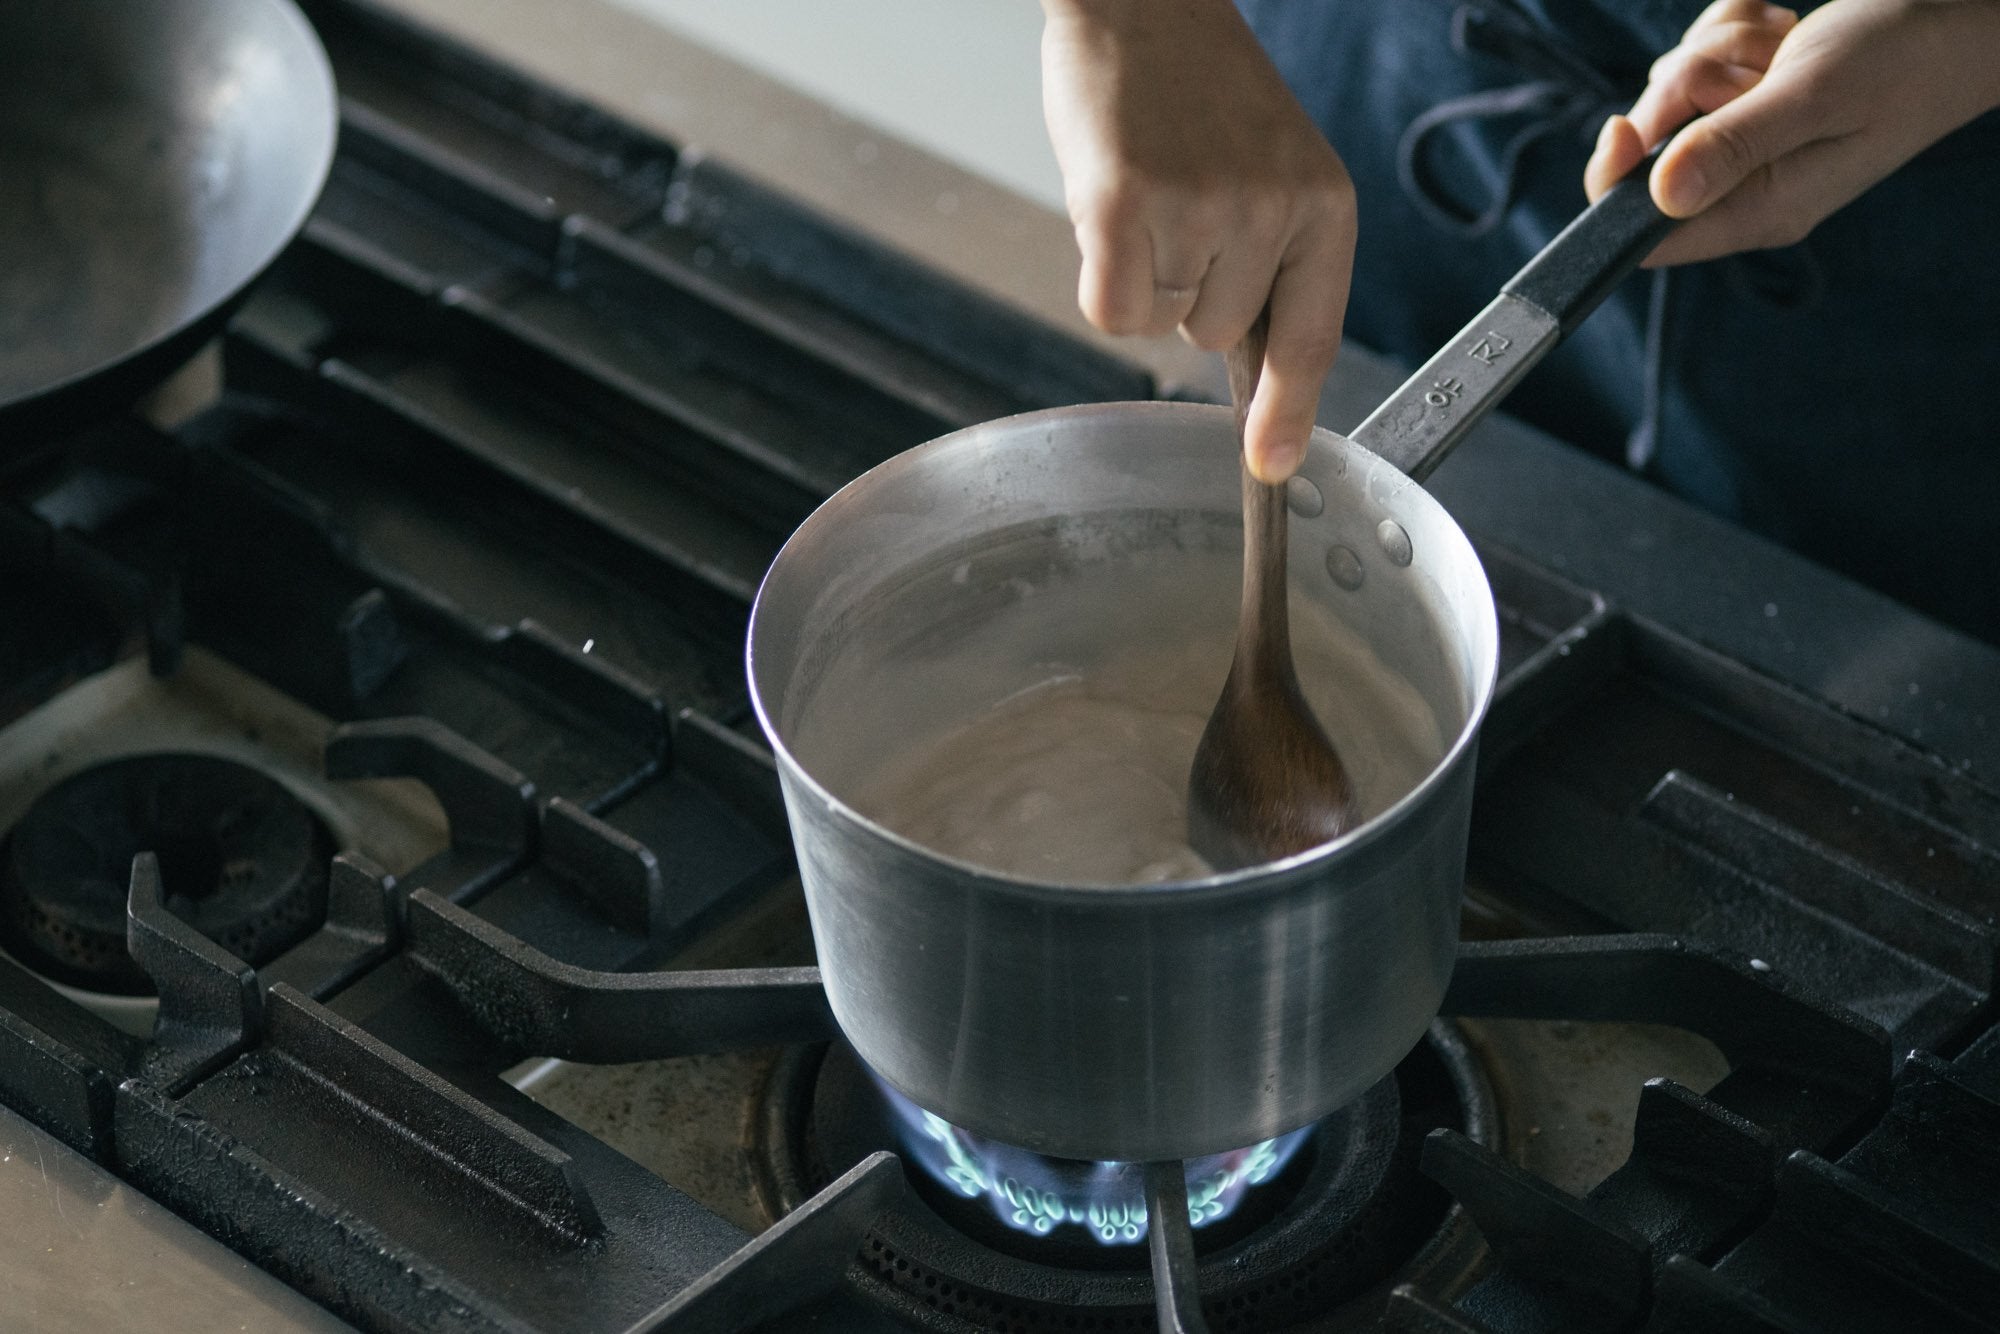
{"type": "Point", "coordinates": [1037, 1194]}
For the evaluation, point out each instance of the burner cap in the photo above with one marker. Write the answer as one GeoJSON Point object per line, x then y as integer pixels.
{"type": "Point", "coordinates": [241, 860]}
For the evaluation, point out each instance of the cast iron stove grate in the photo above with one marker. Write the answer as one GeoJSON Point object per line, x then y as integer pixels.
{"type": "Point", "coordinates": [508, 439]}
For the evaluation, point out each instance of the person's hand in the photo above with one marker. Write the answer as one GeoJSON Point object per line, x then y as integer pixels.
{"type": "Point", "coordinates": [1201, 192]}
{"type": "Point", "coordinates": [1788, 119]}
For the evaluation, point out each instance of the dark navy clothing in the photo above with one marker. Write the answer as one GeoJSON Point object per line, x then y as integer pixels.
{"type": "Point", "coordinates": [1841, 396]}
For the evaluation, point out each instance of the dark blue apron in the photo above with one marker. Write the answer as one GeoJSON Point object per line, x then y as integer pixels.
{"type": "Point", "coordinates": [1841, 396]}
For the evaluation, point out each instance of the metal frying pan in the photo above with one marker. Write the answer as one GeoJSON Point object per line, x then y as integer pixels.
{"type": "Point", "coordinates": [155, 156]}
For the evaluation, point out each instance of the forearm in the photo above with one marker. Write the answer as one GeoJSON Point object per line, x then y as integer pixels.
{"type": "Point", "coordinates": [1978, 30]}
{"type": "Point", "coordinates": [1129, 13]}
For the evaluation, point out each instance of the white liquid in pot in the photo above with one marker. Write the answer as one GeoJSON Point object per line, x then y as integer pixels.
{"type": "Point", "coordinates": [1075, 771]}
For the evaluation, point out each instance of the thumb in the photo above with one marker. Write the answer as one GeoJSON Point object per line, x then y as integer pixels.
{"type": "Point", "coordinates": [1718, 152]}
{"type": "Point", "coordinates": [1280, 423]}
{"type": "Point", "coordinates": [1307, 304]}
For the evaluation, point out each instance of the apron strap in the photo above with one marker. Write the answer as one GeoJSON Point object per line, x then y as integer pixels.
{"type": "Point", "coordinates": [1563, 91]}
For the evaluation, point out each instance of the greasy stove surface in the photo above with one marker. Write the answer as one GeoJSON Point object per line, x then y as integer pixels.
{"type": "Point", "coordinates": [461, 561]}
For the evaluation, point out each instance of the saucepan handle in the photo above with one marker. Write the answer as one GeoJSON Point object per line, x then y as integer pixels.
{"type": "Point", "coordinates": [1418, 425]}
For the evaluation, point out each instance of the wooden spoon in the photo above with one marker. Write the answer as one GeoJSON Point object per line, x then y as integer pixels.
{"type": "Point", "coordinates": [1266, 781]}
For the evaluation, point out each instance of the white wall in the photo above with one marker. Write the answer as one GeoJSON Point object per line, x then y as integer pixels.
{"type": "Point", "coordinates": [960, 78]}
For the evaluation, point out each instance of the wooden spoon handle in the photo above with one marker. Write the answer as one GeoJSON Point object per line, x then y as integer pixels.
{"type": "Point", "coordinates": [1263, 634]}
{"type": "Point", "coordinates": [1245, 363]}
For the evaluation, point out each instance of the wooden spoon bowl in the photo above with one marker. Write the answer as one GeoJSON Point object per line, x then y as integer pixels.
{"type": "Point", "coordinates": [1267, 781]}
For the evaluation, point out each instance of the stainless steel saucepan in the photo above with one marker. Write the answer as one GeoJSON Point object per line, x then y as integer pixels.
{"type": "Point", "coordinates": [1163, 1021]}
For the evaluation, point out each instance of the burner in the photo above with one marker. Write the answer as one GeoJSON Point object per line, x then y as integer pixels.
{"type": "Point", "coordinates": [1344, 1219]}
{"type": "Point", "coordinates": [241, 860]}
{"type": "Point", "coordinates": [1039, 1195]}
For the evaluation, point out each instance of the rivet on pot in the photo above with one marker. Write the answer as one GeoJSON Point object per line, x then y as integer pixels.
{"type": "Point", "coordinates": [1344, 566]}
{"type": "Point", "coordinates": [1304, 498]}
{"type": "Point", "coordinates": [1395, 542]}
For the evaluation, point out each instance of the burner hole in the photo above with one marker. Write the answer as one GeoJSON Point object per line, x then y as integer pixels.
{"type": "Point", "coordinates": [190, 861]}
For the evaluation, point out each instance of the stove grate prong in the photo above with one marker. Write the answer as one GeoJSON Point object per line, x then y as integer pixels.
{"type": "Point", "coordinates": [1410, 1311]}
{"type": "Point", "coordinates": [210, 1005]}
{"type": "Point", "coordinates": [1170, 1242]}
{"type": "Point", "coordinates": [797, 1260]}
{"type": "Point", "coordinates": [490, 806]}
{"type": "Point", "coordinates": [1593, 1268]}
{"type": "Point", "coordinates": [543, 1007]}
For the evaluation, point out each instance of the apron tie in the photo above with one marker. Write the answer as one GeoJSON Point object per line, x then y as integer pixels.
{"type": "Point", "coordinates": [1644, 439]}
{"type": "Point", "coordinates": [1563, 91]}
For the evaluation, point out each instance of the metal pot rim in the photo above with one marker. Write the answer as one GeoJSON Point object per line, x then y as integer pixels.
{"type": "Point", "coordinates": [1249, 881]}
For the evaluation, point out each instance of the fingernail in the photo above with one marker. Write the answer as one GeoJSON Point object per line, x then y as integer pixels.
{"type": "Point", "coordinates": [1685, 191]}
{"type": "Point", "coordinates": [1278, 463]}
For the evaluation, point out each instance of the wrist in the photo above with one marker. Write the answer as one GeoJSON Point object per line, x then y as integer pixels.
{"type": "Point", "coordinates": [1089, 11]}
{"type": "Point", "coordinates": [1987, 21]}
{"type": "Point", "coordinates": [1130, 14]}
{"type": "Point", "coordinates": [1972, 28]}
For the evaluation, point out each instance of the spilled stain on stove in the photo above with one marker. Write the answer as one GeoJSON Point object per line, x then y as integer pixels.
{"type": "Point", "coordinates": [461, 559]}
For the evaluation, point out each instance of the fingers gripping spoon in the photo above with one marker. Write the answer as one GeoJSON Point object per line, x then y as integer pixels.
{"type": "Point", "coordinates": [1266, 782]}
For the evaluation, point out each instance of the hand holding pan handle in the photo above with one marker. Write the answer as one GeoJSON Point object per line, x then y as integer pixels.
{"type": "Point", "coordinates": [1423, 420]}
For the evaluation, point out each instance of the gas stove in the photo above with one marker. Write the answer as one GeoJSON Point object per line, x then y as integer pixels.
{"type": "Point", "coordinates": [395, 887]}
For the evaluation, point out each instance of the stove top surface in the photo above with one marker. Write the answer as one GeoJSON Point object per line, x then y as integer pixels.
{"type": "Point", "coordinates": [457, 568]}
